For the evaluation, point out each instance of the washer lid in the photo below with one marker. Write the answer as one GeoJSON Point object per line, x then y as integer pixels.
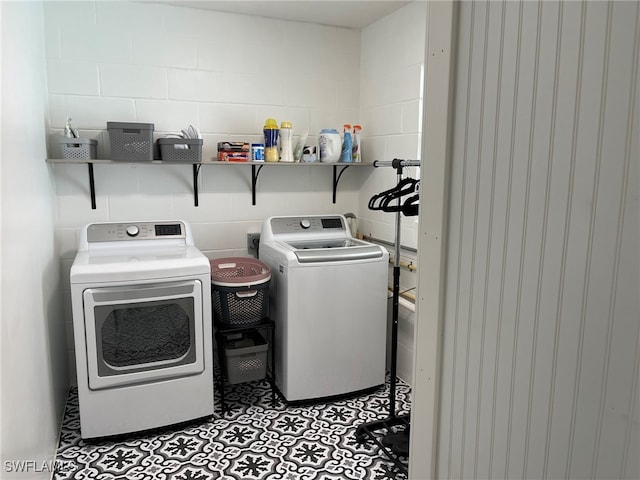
{"type": "Point", "coordinates": [125, 264]}
{"type": "Point", "coordinates": [330, 250]}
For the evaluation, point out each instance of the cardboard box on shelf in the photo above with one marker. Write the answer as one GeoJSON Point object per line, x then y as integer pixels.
{"type": "Point", "coordinates": [225, 156]}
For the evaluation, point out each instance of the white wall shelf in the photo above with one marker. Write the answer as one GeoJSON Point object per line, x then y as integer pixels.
{"type": "Point", "coordinates": [256, 167]}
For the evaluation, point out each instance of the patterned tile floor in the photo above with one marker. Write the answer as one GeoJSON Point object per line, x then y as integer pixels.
{"type": "Point", "coordinates": [253, 441]}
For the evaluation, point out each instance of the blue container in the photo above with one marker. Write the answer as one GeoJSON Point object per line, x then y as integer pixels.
{"type": "Point", "coordinates": [257, 152]}
{"type": "Point", "coordinates": [347, 144]}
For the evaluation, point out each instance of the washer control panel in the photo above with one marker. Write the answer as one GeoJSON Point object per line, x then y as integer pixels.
{"type": "Point", "coordinates": [283, 225]}
{"type": "Point", "coordinates": [133, 230]}
{"type": "Point", "coordinates": [113, 232]}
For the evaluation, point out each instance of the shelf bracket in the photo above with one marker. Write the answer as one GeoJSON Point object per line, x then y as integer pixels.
{"type": "Point", "coordinates": [254, 181]}
{"type": "Point", "coordinates": [92, 186]}
{"type": "Point", "coordinates": [336, 178]}
{"type": "Point", "coordinates": [196, 173]}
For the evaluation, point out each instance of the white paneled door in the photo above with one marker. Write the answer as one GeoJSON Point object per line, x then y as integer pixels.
{"type": "Point", "coordinates": [540, 355]}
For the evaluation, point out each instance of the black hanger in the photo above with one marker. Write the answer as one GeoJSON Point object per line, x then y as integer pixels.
{"type": "Point", "coordinates": [382, 200]}
{"type": "Point", "coordinates": [391, 202]}
{"type": "Point", "coordinates": [405, 188]}
{"type": "Point", "coordinates": [375, 203]}
{"type": "Point", "coordinates": [411, 205]}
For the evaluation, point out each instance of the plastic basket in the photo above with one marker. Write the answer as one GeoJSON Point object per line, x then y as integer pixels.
{"type": "Point", "coordinates": [78, 148]}
{"type": "Point", "coordinates": [131, 141]}
{"type": "Point", "coordinates": [239, 271]}
{"type": "Point", "coordinates": [239, 306]}
{"type": "Point", "coordinates": [180, 149]}
{"type": "Point", "coordinates": [239, 290]}
{"type": "Point", "coordinates": [246, 358]}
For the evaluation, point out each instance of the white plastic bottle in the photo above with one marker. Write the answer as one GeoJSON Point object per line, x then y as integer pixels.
{"type": "Point", "coordinates": [286, 142]}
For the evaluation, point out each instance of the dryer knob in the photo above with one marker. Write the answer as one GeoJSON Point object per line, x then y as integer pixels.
{"type": "Point", "coordinates": [305, 223]}
{"type": "Point", "coordinates": [132, 230]}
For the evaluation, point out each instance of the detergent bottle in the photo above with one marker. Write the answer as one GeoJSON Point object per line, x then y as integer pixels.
{"type": "Point", "coordinates": [270, 130]}
{"type": "Point", "coordinates": [329, 145]}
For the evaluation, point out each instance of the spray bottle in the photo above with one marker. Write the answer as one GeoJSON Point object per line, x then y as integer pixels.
{"type": "Point", "coordinates": [69, 131]}
{"type": "Point", "coordinates": [356, 152]}
{"type": "Point", "coordinates": [347, 155]}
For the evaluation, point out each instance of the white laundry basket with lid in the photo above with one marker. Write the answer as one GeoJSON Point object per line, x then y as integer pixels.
{"type": "Point", "coordinates": [239, 290]}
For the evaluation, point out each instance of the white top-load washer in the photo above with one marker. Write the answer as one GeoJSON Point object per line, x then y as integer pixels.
{"type": "Point", "coordinates": [141, 301]}
{"type": "Point", "coordinates": [329, 304]}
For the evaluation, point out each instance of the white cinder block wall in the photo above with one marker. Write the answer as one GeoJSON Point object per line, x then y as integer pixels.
{"type": "Point", "coordinates": [225, 73]}
{"type": "Point", "coordinates": [391, 108]}
{"type": "Point", "coordinates": [540, 361]}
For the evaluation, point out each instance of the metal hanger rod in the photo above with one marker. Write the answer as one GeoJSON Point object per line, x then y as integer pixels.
{"type": "Point", "coordinates": [396, 162]}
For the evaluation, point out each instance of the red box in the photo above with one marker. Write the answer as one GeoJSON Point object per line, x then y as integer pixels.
{"type": "Point", "coordinates": [233, 156]}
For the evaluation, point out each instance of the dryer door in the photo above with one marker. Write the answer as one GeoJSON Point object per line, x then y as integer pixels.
{"type": "Point", "coordinates": [142, 333]}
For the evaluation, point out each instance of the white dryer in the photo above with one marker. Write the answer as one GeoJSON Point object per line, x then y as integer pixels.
{"type": "Point", "coordinates": [329, 304]}
{"type": "Point", "coordinates": [141, 300]}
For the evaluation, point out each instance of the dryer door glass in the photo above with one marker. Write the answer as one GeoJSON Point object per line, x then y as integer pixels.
{"type": "Point", "coordinates": [138, 333]}
{"type": "Point", "coordinates": [144, 334]}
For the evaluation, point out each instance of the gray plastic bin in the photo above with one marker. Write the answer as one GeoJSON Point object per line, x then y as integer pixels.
{"type": "Point", "coordinates": [181, 149]}
{"type": "Point", "coordinates": [246, 357]}
{"type": "Point", "coordinates": [131, 141]}
{"type": "Point", "coordinates": [78, 148]}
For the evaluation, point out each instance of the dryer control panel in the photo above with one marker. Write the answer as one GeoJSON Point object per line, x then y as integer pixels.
{"type": "Point", "coordinates": [112, 232]}
{"type": "Point", "coordinates": [283, 225]}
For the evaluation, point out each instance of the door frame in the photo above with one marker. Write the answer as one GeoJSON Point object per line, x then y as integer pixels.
{"type": "Point", "coordinates": [439, 89]}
